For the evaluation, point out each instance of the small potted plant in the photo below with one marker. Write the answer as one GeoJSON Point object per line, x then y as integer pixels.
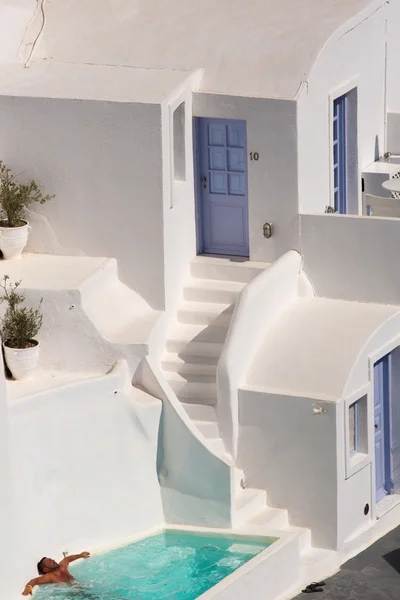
{"type": "Point", "coordinates": [15, 198]}
{"type": "Point", "coordinates": [19, 327]}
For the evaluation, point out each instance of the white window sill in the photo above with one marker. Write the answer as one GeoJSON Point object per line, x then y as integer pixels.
{"type": "Point", "coordinates": [356, 462]}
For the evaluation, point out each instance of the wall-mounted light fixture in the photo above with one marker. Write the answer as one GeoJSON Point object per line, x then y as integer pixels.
{"type": "Point", "coordinates": [267, 230]}
{"type": "Point", "coordinates": [318, 410]}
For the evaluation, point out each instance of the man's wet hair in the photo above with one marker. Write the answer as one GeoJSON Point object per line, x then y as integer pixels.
{"type": "Point", "coordinates": [40, 566]}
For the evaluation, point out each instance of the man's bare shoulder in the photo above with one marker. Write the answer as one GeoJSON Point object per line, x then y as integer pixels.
{"type": "Point", "coordinates": [63, 568]}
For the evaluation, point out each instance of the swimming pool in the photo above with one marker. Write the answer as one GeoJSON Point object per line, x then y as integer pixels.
{"type": "Point", "coordinates": [170, 565]}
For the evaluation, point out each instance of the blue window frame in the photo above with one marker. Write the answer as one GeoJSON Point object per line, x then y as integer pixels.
{"type": "Point", "coordinates": [339, 155]}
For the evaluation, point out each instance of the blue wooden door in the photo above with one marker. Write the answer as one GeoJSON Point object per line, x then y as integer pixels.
{"type": "Point", "coordinates": [339, 155]}
{"type": "Point", "coordinates": [382, 428]}
{"type": "Point", "coordinates": [395, 418]}
{"type": "Point", "coordinates": [222, 172]}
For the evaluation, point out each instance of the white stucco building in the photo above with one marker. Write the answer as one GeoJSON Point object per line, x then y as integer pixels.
{"type": "Point", "coordinates": [201, 147]}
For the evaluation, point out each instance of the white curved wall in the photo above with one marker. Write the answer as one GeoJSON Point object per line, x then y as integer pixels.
{"type": "Point", "coordinates": [195, 484]}
{"type": "Point", "coordinates": [355, 56]}
{"type": "Point", "coordinates": [357, 481]}
{"type": "Point", "coordinates": [259, 305]}
{"type": "Point", "coordinates": [84, 460]}
{"type": "Point", "coordinates": [385, 339]}
{"type": "Point", "coordinates": [303, 460]}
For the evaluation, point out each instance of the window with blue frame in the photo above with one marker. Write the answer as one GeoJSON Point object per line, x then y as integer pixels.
{"type": "Point", "coordinates": [346, 181]}
{"type": "Point", "coordinates": [339, 155]}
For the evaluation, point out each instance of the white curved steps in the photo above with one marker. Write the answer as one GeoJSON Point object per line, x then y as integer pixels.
{"type": "Point", "coordinates": [189, 363]}
{"type": "Point", "coordinates": [195, 341]}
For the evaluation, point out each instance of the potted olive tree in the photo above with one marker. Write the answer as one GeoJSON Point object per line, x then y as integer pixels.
{"type": "Point", "coordinates": [19, 327]}
{"type": "Point", "coordinates": [15, 198]}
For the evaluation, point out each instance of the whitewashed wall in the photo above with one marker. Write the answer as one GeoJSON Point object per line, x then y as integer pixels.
{"type": "Point", "coordinates": [272, 180]}
{"type": "Point", "coordinates": [179, 203]}
{"type": "Point", "coordinates": [9, 550]}
{"type": "Point", "coordinates": [14, 19]}
{"type": "Point", "coordinates": [259, 305]}
{"type": "Point", "coordinates": [393, 132]}
{"type": "Point", "coordinates": [70, 340]}
{"type": "Point", "coordinates": [355, 56]}
{"type": "Point", "coordinates": [84, 459]}
{"type": "Point", "coordinates": [393, 79]}
{"type": "Point", "coordinates": [352, 258]}
{"type": "Point", "coordinates": [384, 339]}
{"type": "Point", "coordinates": [300, 459]}
{"type": "Point", "coordinates": [287, 450]}
{"type": "Point", "coordinates": [355, 477]}
{"type": "Point", "coordinates": [354, 494]}
{"type": "Point", "coordinates": [393, 54]}
{"type": "Point", "coordinates": [104, 162]}
{"type": "Point", "coordinates": [196, 485]}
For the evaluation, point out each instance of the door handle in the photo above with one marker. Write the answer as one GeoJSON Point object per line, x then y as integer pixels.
{"type": "Point", "coordinates": [376, 425]}
{"type": "Point", "coordinates": [204, 182]}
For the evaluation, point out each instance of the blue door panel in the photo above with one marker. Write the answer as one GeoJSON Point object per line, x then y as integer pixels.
{"type": "Point", "coordinates": [223, 202]}
{"type": "Point", "coordinates": [395, 418]}
{"type": "Point", "coordinates": [218, 183]}
{"type": "Point", "coordinates": [382, 427]}
{"type": "Point", "coordinates": [339, 155]}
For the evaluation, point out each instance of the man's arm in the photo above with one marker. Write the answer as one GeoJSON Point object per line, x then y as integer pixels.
{"type": "Point", "coordinates": [43, 579]}
{"type": "Point", "coordinates": [69, 559]}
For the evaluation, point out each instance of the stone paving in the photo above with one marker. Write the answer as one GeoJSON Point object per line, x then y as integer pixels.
{"type": "Point", "coordinates": [372, 575]}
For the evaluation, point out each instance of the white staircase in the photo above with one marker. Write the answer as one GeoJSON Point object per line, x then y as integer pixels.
{"type": "Point", "coordinates": [196, 339]}
{"type": "Point", "coordinates": [254, 516]}
{"type": "Point", "coordinates": [193, 347]}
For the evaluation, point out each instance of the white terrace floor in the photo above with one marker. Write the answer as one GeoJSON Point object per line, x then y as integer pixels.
{"type": "Point", "coordinates": [312, 347]}
{"type": "Point", "coordinates": [118, 314]}
{"type": "Point", "coordinates": [49, 272]}
{"type": "Point", "coordinates": [43, 380]}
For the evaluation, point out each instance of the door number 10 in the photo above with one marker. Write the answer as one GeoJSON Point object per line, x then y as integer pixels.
{"type": "Point", "coordinates": [254, 156]}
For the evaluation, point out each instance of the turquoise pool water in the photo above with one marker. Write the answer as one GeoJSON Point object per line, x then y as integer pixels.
{"type": "Point", "coordinates": [168, 566]}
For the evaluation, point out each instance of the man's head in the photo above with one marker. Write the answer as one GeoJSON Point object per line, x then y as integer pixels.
{"type": "Point", "coordinates": [46, 565]}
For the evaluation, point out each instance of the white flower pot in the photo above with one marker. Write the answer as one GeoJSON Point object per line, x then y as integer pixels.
{"type": "Point", "coordinates": [21, 361]}
{"type": "Point", "coordinates": [13, 240]}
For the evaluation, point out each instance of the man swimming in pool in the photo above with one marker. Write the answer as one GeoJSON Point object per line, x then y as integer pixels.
{"type": "Point", "coordinates": [52, 572]}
